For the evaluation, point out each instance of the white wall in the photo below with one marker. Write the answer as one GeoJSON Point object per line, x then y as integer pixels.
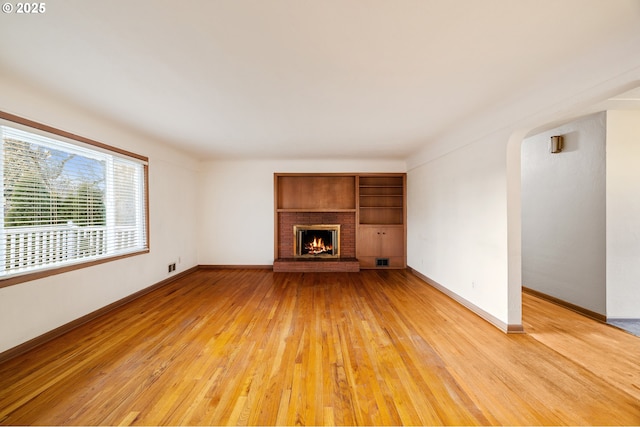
{"type": "Point", "coordinates": [623, 214]}
{"type": "Point", "coordinates": [563, 214]}
{"type": "Point", "coordinates": [31, 309]}
{"type": "Point", "coordinates": [457, 223]}
{"type": "Point", "coordinates": [495, 134]}
{"type": "Point", "coordinates": [236, 205]}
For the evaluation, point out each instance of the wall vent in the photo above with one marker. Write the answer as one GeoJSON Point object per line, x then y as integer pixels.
{"type": "Point", "coordinates": [382, 262]}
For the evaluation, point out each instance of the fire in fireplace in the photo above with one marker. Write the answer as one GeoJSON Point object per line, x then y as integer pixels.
{"type": "Point", "coordinates": [316, 240]}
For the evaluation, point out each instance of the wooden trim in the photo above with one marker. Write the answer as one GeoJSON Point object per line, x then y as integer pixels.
{"type": "Point", "coordinates": [515, 329]}
{"type": "Point", "coordinates": [61, 330]}
{"type": "Point", "coordinates": [314, 174]}
{"type": "Point", "coordinates": [235, 267]}
{"type": "Point", "coordinates": [26, 277]}
{"type": "Point", "coordinates": [65, 134]}
{"type": "Point", "coordinates": [404, 216]}
{"type": "Point", "coordinates": [358, 209]}
{"type": "Point", "coordinates": [507, 328]}
{"type": "Point", "coordinates": [147, 208]}
{"type": "Point", "coordinates": [276, 216]}
{"type": "Point", "coordinates": [380, 174]}
{"type": "Point", "coordinates": [580, 310]}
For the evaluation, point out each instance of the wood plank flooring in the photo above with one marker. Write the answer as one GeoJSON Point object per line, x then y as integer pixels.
{"type": "Point", "coordinates": [253, 347]}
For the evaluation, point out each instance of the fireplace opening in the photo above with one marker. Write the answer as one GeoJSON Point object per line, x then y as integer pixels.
{"type": "Point", "coordinates": [316, 240]}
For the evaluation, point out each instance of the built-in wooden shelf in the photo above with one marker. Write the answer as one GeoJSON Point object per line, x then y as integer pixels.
{"type": "Point", "coordinates": [315, 210]}
{"type": "Point", "coordinates": [381, 199]}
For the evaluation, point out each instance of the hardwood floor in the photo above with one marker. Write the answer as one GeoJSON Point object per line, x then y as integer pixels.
{"type": "Point", "coordinates": [370, 348]}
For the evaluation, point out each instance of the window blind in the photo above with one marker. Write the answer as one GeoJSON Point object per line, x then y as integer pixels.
{"type": "Point", "coordinates": [66, 203]}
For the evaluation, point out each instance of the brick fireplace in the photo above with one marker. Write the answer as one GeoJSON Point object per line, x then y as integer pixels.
{"type": "Point", "coordinates": [286, 260]}
{"type": "Point", "coordinates": [287, 220]}
{"type": "Point", "coordinates": [316, 241]}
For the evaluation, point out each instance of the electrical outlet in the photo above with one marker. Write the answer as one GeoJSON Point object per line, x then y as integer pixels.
{"type": "Point", "coordinates": [172, 267]}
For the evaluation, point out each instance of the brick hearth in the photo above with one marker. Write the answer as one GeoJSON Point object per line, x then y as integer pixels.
{"type": "Point", "coordinates": [316, 265]}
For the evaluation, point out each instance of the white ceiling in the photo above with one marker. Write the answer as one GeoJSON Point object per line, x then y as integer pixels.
{"type": "Point", "coordinates": [301, 78]}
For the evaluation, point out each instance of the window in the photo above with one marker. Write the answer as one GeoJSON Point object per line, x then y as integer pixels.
{"type": "Point", "coordinates": [67, 201]}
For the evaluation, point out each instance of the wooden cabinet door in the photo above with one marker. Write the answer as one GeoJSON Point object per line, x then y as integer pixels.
{"type": "Point", "coordinates": [391, 241]}
{"type": "Point", "coordinates": [380, 241]}
{"type": "Point", "coordinates": [369, 241]}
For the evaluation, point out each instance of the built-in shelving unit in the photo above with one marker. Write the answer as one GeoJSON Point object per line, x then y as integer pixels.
{"type": "Point", "coordinates": [381, 232]}
{"type": "Point", "coordinates": [370, 207]}
{"type": "Point", "coordinates": [381, 199]}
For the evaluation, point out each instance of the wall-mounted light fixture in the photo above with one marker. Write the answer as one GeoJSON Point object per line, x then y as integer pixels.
{"type": "Point", "coordinates": [556, 144]}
